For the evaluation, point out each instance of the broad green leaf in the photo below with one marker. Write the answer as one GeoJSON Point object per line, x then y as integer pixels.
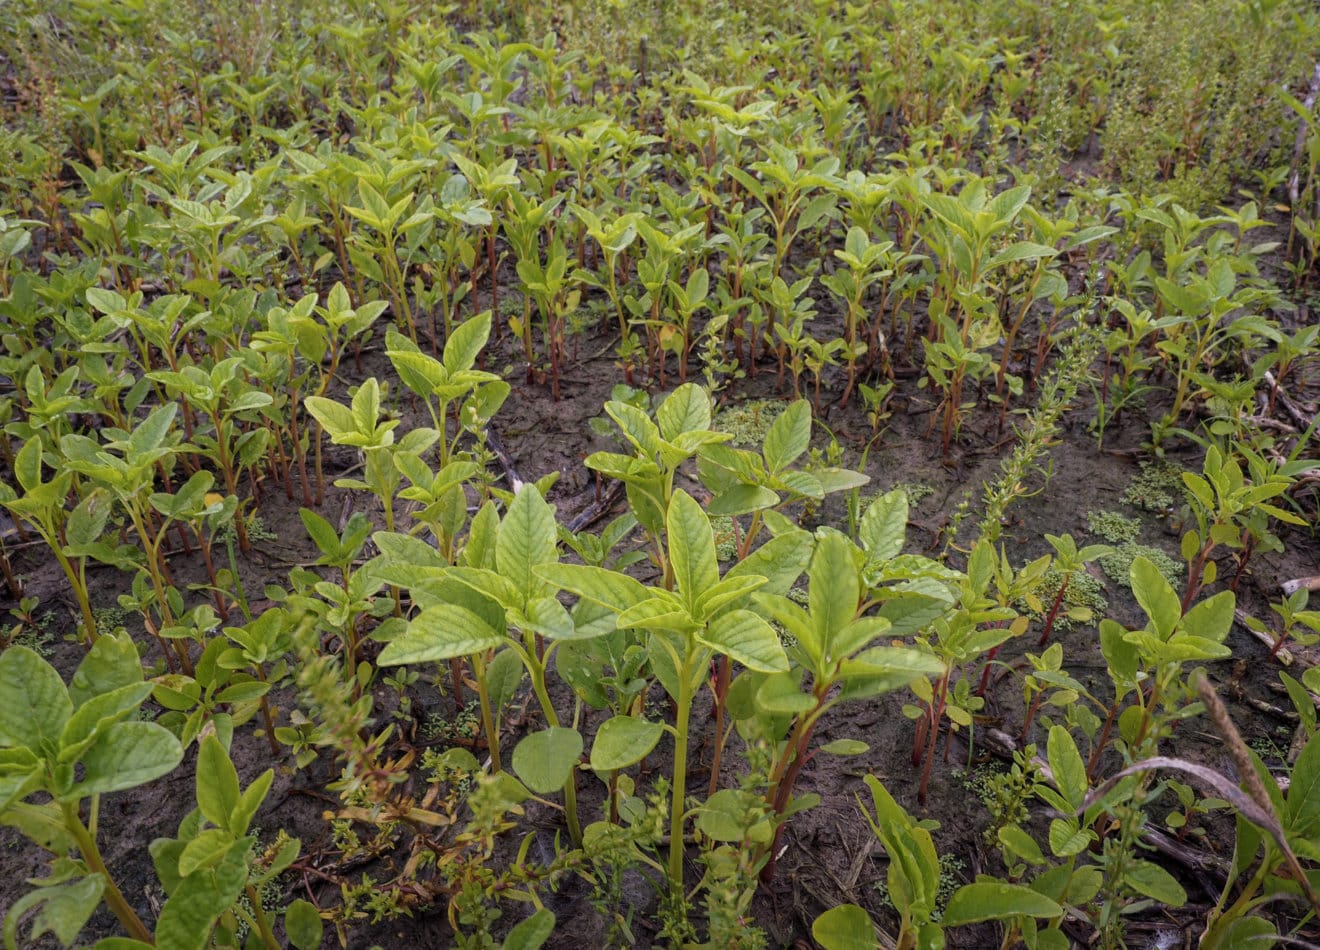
{"type": "Point", "coordinates": [781, 561]}
{"type": "Point", "coordinates": [725, 816]}
{"type": "Point", "coordinates": [686, 409]}
{"type": "Point", "coordinates": [788, 437]}
{"type": "Point", "coordinates": [609, 589]}
{"type": "Point", "coordinates": [465, 343]}
{"type": "Point", "coordinates": [545, 760]}
{"type": "Point", "coordinates": [914, 870]}
{"type": "Point", "coordinates": [1212, 618]}
{"type": "Point", "coordinates": [1156, 596]}
{"type": "Point", "coordinates": [321, 532]}
{"type": "Point", "coordinates": [548, 617]}
{"type": "Point", "coordinates": [637, 428]}
{"type": "Point", "coordinates": [691, 547]}
{"type": "Point", "coordinates": [65, 910]}
{"type": "Point", "coordinates": [748, 639]}
{"type": "Point", "coordinates": [126, 755]}
{"type": "Point", "coordinates": [661, 611]}
{"type": "Point", "coordinates": [504, 674]}
{"type": "Point", "coordinates": [856, 635]}
{"type": "Point", "coordinates": [217, 782]}
{"type": "Point", "coordinates": [884, 526]}
{"type": "Point", "coordinates": [1303, 800]}
{"type": "Point", "coordinates": [835, 589]}
{"type": "Point", "coordinates": [532, 933]}
{"type": "Point", "coordinates": [728, 591]}
{"type": "Point", "coordinates": [1120, 655]}
{"type": "Point", "coordinates": [845, 747]}
{"type": "Point", "coordinates": [1021, 845]}
{"type": "Point", "coordinates": [336, 419]}
{"type": "Point", "coordinates": [995, 900]}
{"type": "Point", "coordinates": [441, 632]}
{"type": "Point", "coordinates": [151, 432]}
{"type": "Point", "coordinates": [622, 741]}
{"type": "Point", "coordinates": [249, 802]}
{"type": "Point", "coordinates": [1021, 251]}
{"type": "Point", "coordinates": [303, 925]}
{"type": "Point", "coordinates": [98, 713]}
{"type": "Point", "coordinates": [490, 586]}
{"type": "Point", "coordinates": [890, 667]}
{"type": "Point", "coordinates": [527, 538]}
{"type": "Point", "coordinates": [198, 901]}
{"type": "Point", "coordinates": [1067, 766]}
{"type": "Point", "coordinates": [781, 695]}
{"type": "Point", "coordinates": [797, 623]}
{"type": "Point", "coordinates": [1151, 880]}
{"type": "Point", "coordinates": [846, 927]}
{"type": "Point", "coordinates": [742, 499]}
{"type": "Point", "coordinates": [1067, 839]}
{"type": "Point", "coordinates": [43, 825]}
{"type": "Point", "coordinates": [204, 851]}
{"type": "Point", "coordinates": [34, 704]}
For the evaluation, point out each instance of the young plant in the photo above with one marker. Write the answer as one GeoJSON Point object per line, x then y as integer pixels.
{"type": "Point", "coordinates": [836, 647]}
{"type": "Point", "coordinates": [914, 885]}
{"type": "Point", "coordinates": [213, 863]}
{"type": "Point", "coordinates": [680, 430]}
{"type": "Point", "coordinates": [703, 616]}
{"type": "Point", "coordinates": [73, 744]}
{"type": "Point", "coordinates": [42, 507]}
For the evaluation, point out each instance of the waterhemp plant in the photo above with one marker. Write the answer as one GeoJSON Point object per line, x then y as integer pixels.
{"type": "Point", "coordinates": [72, 744]}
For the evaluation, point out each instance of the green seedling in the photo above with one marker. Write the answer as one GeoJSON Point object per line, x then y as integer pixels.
{"type": "Point", "coordinates": [703, 616]}
{"type": "Point", "coordinates": [74, 744]}
{"type": "Point", "coordinates": [914, 882]}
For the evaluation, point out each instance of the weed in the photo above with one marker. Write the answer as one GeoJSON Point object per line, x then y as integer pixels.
{"type": "Point", "coordinates": [1156, 487]}
{"type": "Point", "coordinates": [1118, 563]}
{"type": "Point", "coordinates": [1113, 527]}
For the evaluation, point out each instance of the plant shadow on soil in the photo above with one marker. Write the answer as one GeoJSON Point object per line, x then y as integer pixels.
{"type": "Point", "coordinates": [830, 855]}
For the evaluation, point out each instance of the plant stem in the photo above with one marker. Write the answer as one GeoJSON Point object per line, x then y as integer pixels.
{"type": "Point", "coordinates": [679, 791]}
{"type": "Point", "coordinates": [259, 918]}
{"type": "Point", "coordinates": [114, 899]}
{"type": "Point", "coordinates": [487, 718]}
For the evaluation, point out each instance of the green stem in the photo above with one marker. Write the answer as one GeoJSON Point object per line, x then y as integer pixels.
{"type": "Point", "coordinates": [79, 590]}
{"type": "Point", "coordinates": [679, 790]}
{"type": "Point", "coordinates": [114, 899]}
{"type": "Point", "coordinates": [487, 719]}
{"type": "Point", "coordinates": [536, 669]}
{"type": "Point", "coordinates": [259, 918]}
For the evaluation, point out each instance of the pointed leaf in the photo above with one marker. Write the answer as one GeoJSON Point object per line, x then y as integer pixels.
{"type": "Point", "coordinates": [884, 526]}
{"type": "Point", "coordinates": [747, 638]}
{"type": "Point", "coordinates": [217, 783]}
{"type": "Point", "coordinates": [532, 933]}
{"type": "Point", "coordinates": [34, 704]}
{"type": "Point", "coordinates": [465, 343]}
{"type": "Point", "coordinates": [973, 903]}
{"type": "Point", "coordinates": [441, 632]}
{"type": "Point", "coordinates": [686, 409]}
{"type": "Point", "coordinates": [788, 437]}
{"type": "Point", "coordinates": [691, 547]}
{"type": "Point", "coordinates": [526, 539]}
{"type": "Point", "coordinates": [835, 589]}
{"type": "Point", "coordinates": [126, 755]}
{"type": "Point", "coordinates": [1156, 596]}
